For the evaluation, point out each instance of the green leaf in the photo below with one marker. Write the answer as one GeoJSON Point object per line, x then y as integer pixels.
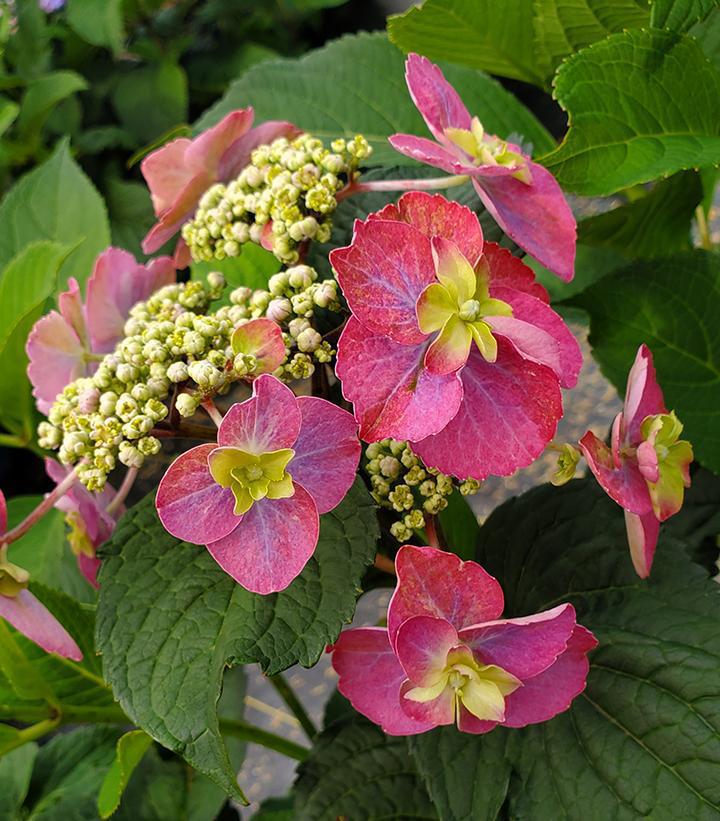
{"type": "Point", "coordinates": [131, 214]}
{"type": "Point", "coordinates": [459, 526]}
{"type": "Point", "coordinates": [44, 551]}
{"type": "Point", "coordinates": [42, 95]}
{"type": "Point", "coordinates": [563, 27]}
{"type": "Point", "coordinates": [700, 514]}
{"type": "Point", "coordinates": [644, 738]}
{"type": "Point", "coordinates": [15, 771]}
{"type": "Point", "coordinates": [333, 92]}
{"type": "Point", "coordinates": [276, 809]}
{"type": "Point", "coordinates": [680, 15]}
{"type": "Point", "coordinates": [466, 776]}
{"type": "Point", "coordinates": [672, 305]}
{"type": "Point", "coordinates": [253, 268]}
{"type": "Point", "coordinates": [77, 688]}
{"type": "Point", "coordinates": [655, 225]}
{"type": "Point", "coordinates": [476, 33]}
{"type": "Point", "coordinates": [8, 114]}
{"type": "Point", "coordinates": [26, 283]}
{"type": "Point", "coordinates": [157, 593]}
{"type": "Point", "coordinates": [356, 771]}
{"type": "Point", "coordinates": [591, 265]}
{"type": "Point", "coordinates": [151, 100]}
{"type": "Point", "coordinates": [614, 141]}
{"type": "Point", "coordinates": [98, 22]}
{"type": "Point", "coordinates": [129, 753]}
{"type": "Point", "coordinates": [68, 774]}
{"type": "Point", "coordinates": [707, 33]}
{"type": "Point", "coordinates": [159, 790]}
{"type": "Point", "coordinates": [55, 201]}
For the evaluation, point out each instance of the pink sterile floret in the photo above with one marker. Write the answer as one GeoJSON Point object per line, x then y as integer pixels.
{"type": "Point", "coordinates": [446, 658]}
{"type": "Point", "coordinates": [61, 345]}
{"type": "Point", "coordinates": [452, 343]}
{"type": "Point", "coordinates": [522, 196]}
{"type": "Point", "coordinates": [254, 498]}
{"type": "Point", "coordinates": [179, 173]}
{"type": "Point", "coordinates": [28, 616]}
{"type": "Point", "coordinates": [647, 467]}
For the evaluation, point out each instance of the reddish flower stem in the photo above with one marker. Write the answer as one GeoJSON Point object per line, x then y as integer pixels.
{"type": "Point", "coordinates": [35, 515]}
{"type": "Point", "coordinates": [125, 488]}
{"type": "Point", "coordinates": [385, 564]}
{"type": "Point", "coordinates": [433, 533]}
{"type": "Point", "coordinates": [432, 184]}
{"type": "Point", "coordinates": [211, 409]}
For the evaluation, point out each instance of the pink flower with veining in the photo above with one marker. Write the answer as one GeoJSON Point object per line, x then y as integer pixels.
{"type": "Point", "coordinates": [452, 344]}
{"type": "Point", "coordinates": [254, 498]}
{"type": "Point", "coordinates": [523, 197]}
{"type": "Point", "coordinates": [179, 173]}
{"type": "Point", "coordinates": [446, 657]}
{"type": "Point", "coordinates": [23, 611]}
{"type": "Point", "coordinates": [66, 345]}
{"type": "Point", "coordinates": [87, 517]}
{"type": "Point", "coordinates": [647, 467]}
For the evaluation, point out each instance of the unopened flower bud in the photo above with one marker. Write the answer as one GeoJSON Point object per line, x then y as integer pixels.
{"type": "Point", "coordinates": [309, 340]}
{"type": "Point", "coordinates": [415, 519]}
{"type": "Point", "coordinates": [49, 436]}
{"type": "Point", "coordinates": [186, 404]}
{"type": "Point", "coordinates": [278, 283]}
{"type": "Point", "coordinates": [130, 456]}
{"type": "Point", "coordinates": [279, 309]}
{"type": "Point", "coordinates": [177, 372]}
{"type": "Point", "coordinates": [297, 326]}
{"type": "Point", "coordinates": [401, 531]}
{"type": "Point", "coordinates": [390, 467]}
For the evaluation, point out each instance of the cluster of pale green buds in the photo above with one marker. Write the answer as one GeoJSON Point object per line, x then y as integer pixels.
{"type": "Point", "coordinates": [100, 420]}
{"type": "Point", "coordinates": [285, 196]}
{"type": "Point", "coordinates": [294, 299]}
{"type": "Point", "coordinates": [402, 483]}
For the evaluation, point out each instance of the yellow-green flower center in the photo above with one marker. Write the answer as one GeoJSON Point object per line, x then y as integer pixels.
{"type": "Point", "coordinates": [480, 688]}
{"type": "Point", "coordinates": [486, 149]}
{"type": "Point", "coordinates": [13, 579]}
{"type": "Point", "coordinates": [459, 304]}
{"type": "Point", "coordinates": [252, 476]}
{"type": "Point", "coordinates": [80, 542]}
{"type": "Point", "coordinates": [674, 456]}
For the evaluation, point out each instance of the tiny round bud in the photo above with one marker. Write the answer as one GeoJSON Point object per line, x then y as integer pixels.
{"type": "Point", "coordinates": [279, 309]}
{"type": "Point", "coordinates": [177, 372]}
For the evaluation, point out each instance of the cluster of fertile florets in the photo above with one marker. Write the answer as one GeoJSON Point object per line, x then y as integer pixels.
{"type": "Point", "coordinates": [109, 416]}
{"type": "Point", "coordinates": [293, 300]}
{"type": "Point", "coordinates": [402, 483]}
{"type": "Point", "coordinates": [287, 195]}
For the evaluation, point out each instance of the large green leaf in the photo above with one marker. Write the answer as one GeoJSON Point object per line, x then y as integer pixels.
{"type": "Point", "coordinates": [477, 33]}
{"type": "Point", "coordinates": [707, 33]}
{"type": "Point", "coordinates": [563, 27]}
{"type": "Point", "coordinates": [523, 40]}
{"type": "Point", "coordinates": [334, 92]}
{"type": "Point", "coordinates": [655, 225]}
{"type": "Point", "coordinates": [356, 771]}
{"type": "Point", "coordinates": [98, 22]}
{"type": "Point", "coordinates": [673, 306]}
{"type": "Point", "coordinates": [644, 738]}
{"type": "Point", "coordinates": [26, 283]}
{"type": "Point", "coordinates": [129, 752]}
{"type": "Point", "coordinates": [131, 214]}
{"type": "Point", "coordinates": [55, 201]}
{"type": "Point", "coordinates": [680, 15]}
{"type": "Point", "coordinates": [170, 620]}
{"type": "Point", "coordinates": [15, 771]}
{"type": "Point", "coordinates": [634, 116]}
{"type": "Point", "coordinates": [68, 773]}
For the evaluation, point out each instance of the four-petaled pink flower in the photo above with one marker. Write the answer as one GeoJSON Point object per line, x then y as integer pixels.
{"type": "Point", "coordinates": [254, 498]}
{"type": "Point", "coordinates": [23, 611]}
{"type": "Point", "coordinates": [446, 658]}
{"type": "Point", "coordinates": [452, 344]}
{"type": "Point", "coordinates": [647, 467]}
{"type": "Point", "coordinates": [523, 197]}
{"type": "Point", "coordinates": [179, 173]}
{"type": "Point", "coordinates": [65, 346]}
{"type": "Point", "coordinates": [87, 517]}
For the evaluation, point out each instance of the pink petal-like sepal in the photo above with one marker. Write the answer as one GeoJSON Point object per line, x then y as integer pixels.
{"type": "Point", "coordinates": [523, 197]}
{"type": "Point", "coordinates": [261, 338]}
{"type": "Point", "coordinates": [432, 582]}
{"type": "Point", "coordinates": [3, 514]}
{"type": "Point", "coordinates": [327, 452]}
{"type": "Point", "coordinates": [445, 659]}
{"type": "Point", "coordinates": [31, 618]}
{"type": "Point", "coordinates": [643, 396]}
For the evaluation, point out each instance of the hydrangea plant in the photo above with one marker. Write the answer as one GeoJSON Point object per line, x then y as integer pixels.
{"type": "Point", "coordinates": [313, 386]}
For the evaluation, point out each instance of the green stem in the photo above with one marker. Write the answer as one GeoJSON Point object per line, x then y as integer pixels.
{"type": "Point", "coordinates": [287, 694]}
{"type": "Point", "coordinates": [9, 440]}
{"type": "Point", "coordinates": [703, 228]}
{"type": "Point", "coordinates": [31, 733]}
{"type": "Point", "coordinates": [256, 735]}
